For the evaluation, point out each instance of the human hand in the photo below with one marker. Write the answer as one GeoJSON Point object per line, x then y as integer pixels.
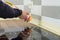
{"type": "Point", "coordinates": [25, 34]}
{"type": "Point", "coordinates": [25, 16]}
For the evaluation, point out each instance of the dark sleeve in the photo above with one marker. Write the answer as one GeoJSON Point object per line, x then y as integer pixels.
{"type": "Point", "coordinates": [8, 12]}
{"type": "Point", "coordinates": [17, 38]}
{"type": "Point", "coordinates": [17, 12]}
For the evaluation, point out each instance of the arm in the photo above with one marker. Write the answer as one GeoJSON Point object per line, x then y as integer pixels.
{"type": "Point", "coordinates": [8, 12]}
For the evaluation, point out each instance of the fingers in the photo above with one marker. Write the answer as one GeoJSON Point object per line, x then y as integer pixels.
{"type": "Point", "coordinates": [24, 34]}
{"type": "Point", "coordinates": [25, 16]}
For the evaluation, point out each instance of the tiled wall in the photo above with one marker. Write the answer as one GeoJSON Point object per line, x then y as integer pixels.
{"type": "Point", "coordinates": [51, 2]}
{"type": "Point", "coordinates": [32, 6]}
{"type": "Point", "coordinates": [51, 11]}
{"type": "Point", "coordinates": [49, 8]}
{"type": "Point", "coordinates": [46, 8]}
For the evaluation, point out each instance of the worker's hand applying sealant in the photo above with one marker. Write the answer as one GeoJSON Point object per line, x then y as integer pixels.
{"type": "Point", "coordinates": [25, 15]}
{"type": "Point", "coordinates": [11, 12]}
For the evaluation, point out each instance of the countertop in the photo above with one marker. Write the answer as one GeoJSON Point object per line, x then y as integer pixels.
{"type": "Point", "coordinates": [48, 24]}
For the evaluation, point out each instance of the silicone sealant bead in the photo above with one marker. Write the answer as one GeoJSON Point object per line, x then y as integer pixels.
{"type": "Point", "coordinates": [27, 18]}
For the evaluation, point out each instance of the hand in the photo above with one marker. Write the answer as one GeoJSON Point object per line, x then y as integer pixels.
{"type": "Point", "coordinates": [24, 15]}
{"type": "Point", "coordinates": [25, 34]}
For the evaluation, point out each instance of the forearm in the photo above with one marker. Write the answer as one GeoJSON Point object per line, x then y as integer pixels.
{"type": "Point", "coordinates": [7, 12]}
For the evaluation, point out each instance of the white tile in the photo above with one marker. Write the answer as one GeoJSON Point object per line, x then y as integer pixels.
{"type": "Point", "coordinates": [36, 2]}
{"type": "Point", "coordinates": [27, 2]}
{"type": "Point", "coordinates": [51, 11]}
{"type": "Point", "coordinates": [36, 10]}
{"type": "Point", "coordinates": [20, 6]}
{"type": "Point", "coordinates": [27, 8]}
{"type": "Point", "coordinates": [51, 2]}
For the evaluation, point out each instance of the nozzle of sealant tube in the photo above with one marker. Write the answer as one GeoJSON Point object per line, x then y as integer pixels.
{"type": "Point", "coordinates": [28, 18]}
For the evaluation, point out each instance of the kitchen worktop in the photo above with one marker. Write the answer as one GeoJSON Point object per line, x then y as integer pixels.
{"type": "Point", "coordinates": [43, 23]}
{"type": "Point", "coordinates": [50, 24]}
{"type": "Point", "coordinates": [11, 27]}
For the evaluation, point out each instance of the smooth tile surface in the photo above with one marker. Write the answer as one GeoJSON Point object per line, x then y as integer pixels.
{"type": "Point", "coordinates": [36, 2]}
{"type": "Point", "coordinates": [51, 2]}
{"type": "Point", "coordinates": [26, 7]}
{"type": "Point", "coordinates": [51, 11]}
{"type": "Point", "coordinates": [36, 10]}
{"type": "Point", "coordinates": [16, 2]}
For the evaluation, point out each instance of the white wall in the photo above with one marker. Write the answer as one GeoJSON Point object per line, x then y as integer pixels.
{"type": "Point", "coordinates": [51, 2]}
{"type": "Point", "coordinates": [51, 11]}
{"type": "Point", "coordinates": [36, 10]}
